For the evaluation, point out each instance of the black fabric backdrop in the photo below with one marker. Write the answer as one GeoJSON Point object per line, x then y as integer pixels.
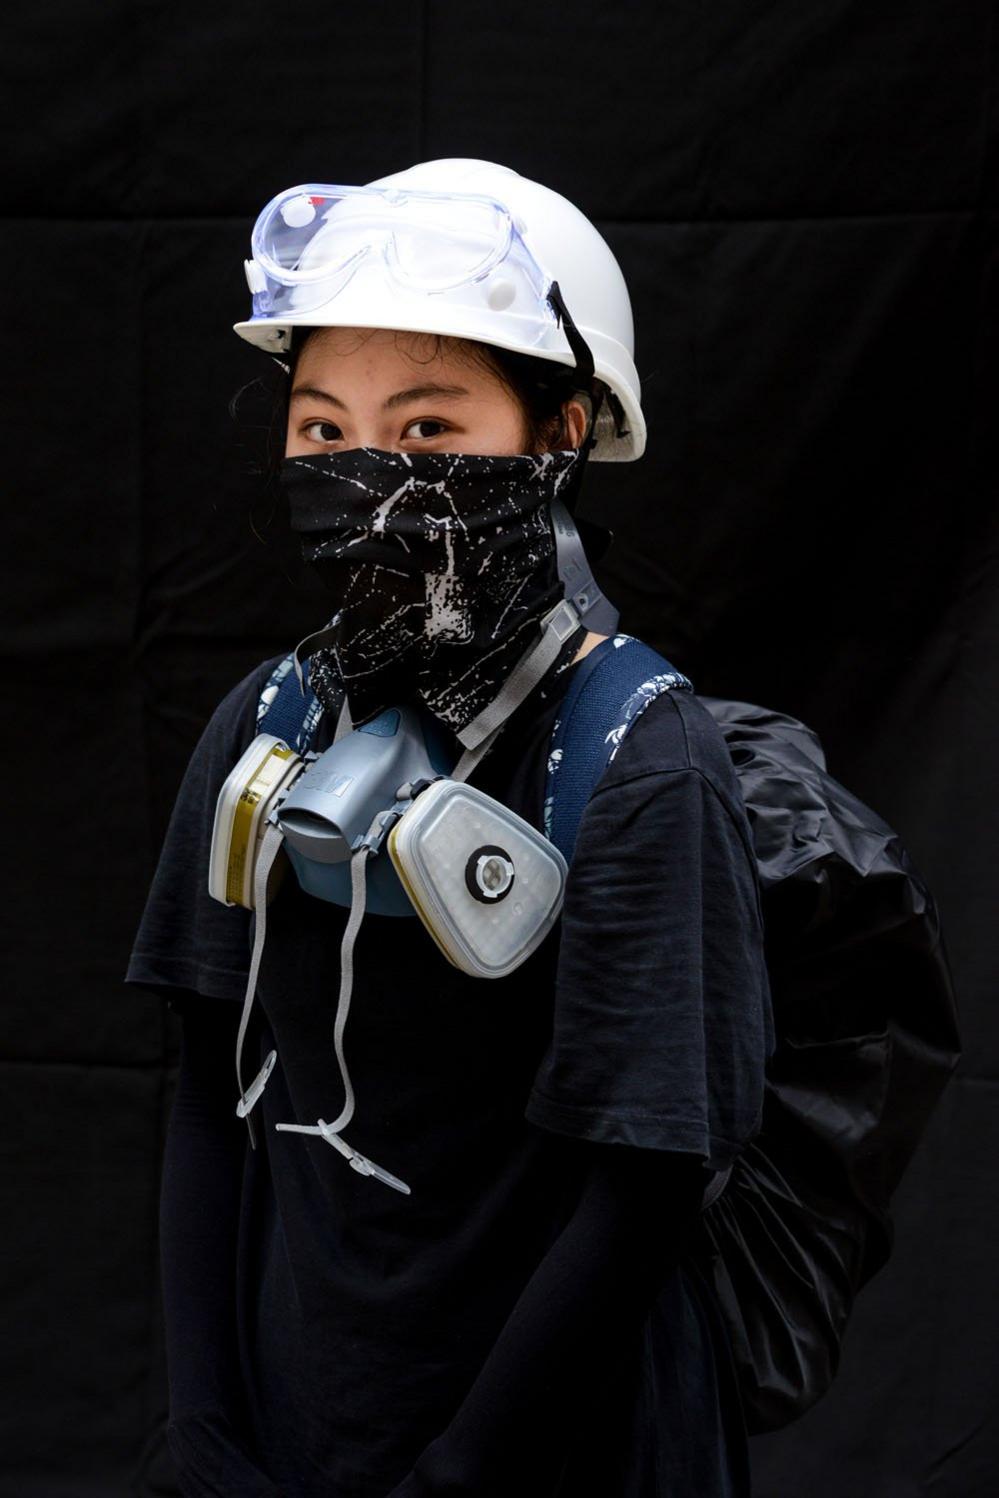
{"type": "Point", "coordinates": [804, 201]}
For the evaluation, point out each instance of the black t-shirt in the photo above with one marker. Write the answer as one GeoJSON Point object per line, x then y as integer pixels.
{"type": "Point", "coordinates": [642, 1020]}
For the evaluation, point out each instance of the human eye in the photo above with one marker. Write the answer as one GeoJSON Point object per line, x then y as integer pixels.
{"type": "Point", "coordinates": [427, 421]}
{"type": "Point", "coordinates": [330, 432]}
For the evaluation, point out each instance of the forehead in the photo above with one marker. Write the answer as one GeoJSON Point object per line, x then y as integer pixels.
{"type": "Point", "coordinates": [377, 354]}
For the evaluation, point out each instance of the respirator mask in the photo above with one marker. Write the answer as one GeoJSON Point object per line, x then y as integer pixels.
{"type": "Point", "coordinates": [485, 884]}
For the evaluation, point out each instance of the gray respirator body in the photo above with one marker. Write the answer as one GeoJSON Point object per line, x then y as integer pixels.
{"type": "Point", "coordinates": [485, 883]}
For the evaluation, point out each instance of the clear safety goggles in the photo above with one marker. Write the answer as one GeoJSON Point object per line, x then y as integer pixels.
{"type": "Point", "coordinates": [314, 243]}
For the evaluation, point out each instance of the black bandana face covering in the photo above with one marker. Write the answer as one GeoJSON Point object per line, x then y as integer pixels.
{"type": "Point", "coordinates": [442, 565]}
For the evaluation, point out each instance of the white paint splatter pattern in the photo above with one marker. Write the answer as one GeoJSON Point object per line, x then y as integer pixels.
{"type": "Point", "coordinates": [443, 565]}
{"type": "Point", "coordinates": [312, 709]}
{"type": "Point", "coordinates": [641, 698]}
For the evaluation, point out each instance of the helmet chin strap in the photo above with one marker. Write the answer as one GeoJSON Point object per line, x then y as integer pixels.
{"type": "Point", "coordinates": [577, 343]}
{"type": "Point", "coordinates": [583, 601]}
{"type": "Point", "coordinates": [595, 611]}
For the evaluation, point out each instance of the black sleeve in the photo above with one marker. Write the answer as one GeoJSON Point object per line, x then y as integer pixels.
{"type": "Point", "coordinates": [199, 1210]}
{"type": "Point", "coordinates": [570, 1327]}
{"type": "Point", "coordinates": [661, 1029]}
{"type": "Point", "coordinates": [662, 1019]}
{"type": "Point", "coordinates": [187, 940]}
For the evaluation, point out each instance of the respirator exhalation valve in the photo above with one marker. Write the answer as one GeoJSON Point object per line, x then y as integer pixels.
{"type": "Point", "coordinates": [489, 874]}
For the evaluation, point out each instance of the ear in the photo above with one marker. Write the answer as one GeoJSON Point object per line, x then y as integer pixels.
{"type": "Point", "coordinates": [574, 422]}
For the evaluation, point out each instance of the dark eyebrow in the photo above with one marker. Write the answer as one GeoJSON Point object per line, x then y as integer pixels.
{"type": "Point", "coordinates": [421, 392]}
{"type": "Point", "coordinates": [310, 392]}
{"type": "Point", "coordinates": [401, 397]}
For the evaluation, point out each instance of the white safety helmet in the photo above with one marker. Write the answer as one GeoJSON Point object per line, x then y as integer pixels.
{"type": "Point", "coordinates": [458, 247]}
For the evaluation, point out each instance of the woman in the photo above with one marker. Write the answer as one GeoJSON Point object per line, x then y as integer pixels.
{"type": "Point", "coordinates": [520, 1314]}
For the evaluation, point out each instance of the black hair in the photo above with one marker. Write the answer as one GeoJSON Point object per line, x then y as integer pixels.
{"type": "Point", "coordinates": [540, 387]}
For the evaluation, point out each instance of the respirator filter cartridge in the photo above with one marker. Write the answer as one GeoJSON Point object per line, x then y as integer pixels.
{"type": "Point", "coordinates": [258, 781]}
{"type": "Point", "coordinates": [485, 883]}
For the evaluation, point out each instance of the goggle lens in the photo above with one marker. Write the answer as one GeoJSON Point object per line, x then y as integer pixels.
{"type": "Point", "coordinates": [431, 242]}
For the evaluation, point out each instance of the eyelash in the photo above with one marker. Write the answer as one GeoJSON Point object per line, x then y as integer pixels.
{"type": "Point", "coordinates": [418, 421]}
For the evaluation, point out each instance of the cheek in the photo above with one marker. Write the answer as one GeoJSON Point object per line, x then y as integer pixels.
{"type": "Point", "coordinates": [520, 442]}
{"type": "Point", "coordinates": [502, 433]}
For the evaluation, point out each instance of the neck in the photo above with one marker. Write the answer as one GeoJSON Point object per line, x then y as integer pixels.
{"type": "Point", "coordinates": [588, 644]}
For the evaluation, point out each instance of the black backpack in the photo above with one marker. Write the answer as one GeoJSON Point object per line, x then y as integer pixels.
{"type": "Point", "coordinates": [867, 1039]}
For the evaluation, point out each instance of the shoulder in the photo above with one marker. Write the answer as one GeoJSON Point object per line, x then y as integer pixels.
{"type": "Point", "coordinates": [676, 736]}
{"type": "Point", "coordinates": [187, 940]}
{"type": "Point", "coordinates": [229, 731]}
{"type": "Point", "coordinates": [248, 689]}
{"type": "Point", "coordinates": [233, 724]}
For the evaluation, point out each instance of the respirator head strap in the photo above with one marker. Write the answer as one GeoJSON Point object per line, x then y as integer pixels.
{"type": "Point", "coordinates": [331, 1131]}
{"type": "Point", "coordinates": [319, 638]}
{"type": "Point", "coordinates": [595, 610]}
{"type": "Point", "coordinates": [477, 737]}
{"type": "Point", "coordinates": [269, 850]}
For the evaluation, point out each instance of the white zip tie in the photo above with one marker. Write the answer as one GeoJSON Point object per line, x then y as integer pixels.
{"type": "Point", "coordinates": [331, 1131]}
{"type": "Point", "coordinates": [354, 1158]}
{"type": "Point", "coordinates": [257, 1086]}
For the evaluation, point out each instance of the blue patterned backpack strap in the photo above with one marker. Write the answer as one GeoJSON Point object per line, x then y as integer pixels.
{"type": "Point", "coordinates": [284, 711]}
{"type": "Point", "coordinates": [612, 687]}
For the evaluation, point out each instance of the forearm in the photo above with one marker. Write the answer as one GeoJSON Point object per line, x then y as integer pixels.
{"type": "Point", "coordinates": [199, 1212]}
{"type": "Point", "coordinates": [587, 1299]}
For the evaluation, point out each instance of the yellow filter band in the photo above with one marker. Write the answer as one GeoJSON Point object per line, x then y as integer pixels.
{"type": "Point", "coordinates": [265, 778]}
